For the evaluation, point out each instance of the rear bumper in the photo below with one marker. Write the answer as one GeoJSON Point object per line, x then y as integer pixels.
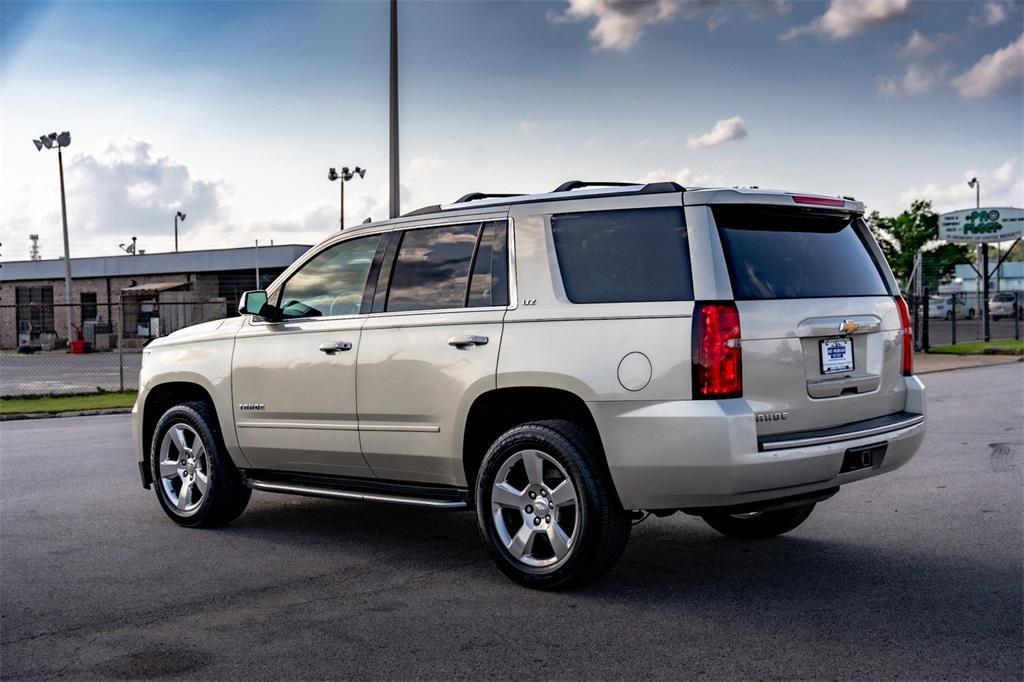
{"type": "Point", "coordinates": [692, 454]}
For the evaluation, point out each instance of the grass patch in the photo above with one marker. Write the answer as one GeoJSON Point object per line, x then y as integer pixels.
{"type": "Point", "coordinates": [66, 403]}
{"type": "Point", "coordinates": [1010, 347]}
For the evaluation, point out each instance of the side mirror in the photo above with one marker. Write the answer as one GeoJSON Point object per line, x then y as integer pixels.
{"type": "Point", "coordinates": [255, 303]}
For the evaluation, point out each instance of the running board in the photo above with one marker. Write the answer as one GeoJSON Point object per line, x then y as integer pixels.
{"type": "Point", "coordinates": [364, 490]}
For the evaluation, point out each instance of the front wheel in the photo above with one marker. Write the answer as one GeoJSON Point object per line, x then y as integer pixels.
{"type": "Point", "coordinates": [545, 509]}
{"type": "Point", "coordinates": [195, 481]}
{"type": "Point", "coordinates": [758, 525]}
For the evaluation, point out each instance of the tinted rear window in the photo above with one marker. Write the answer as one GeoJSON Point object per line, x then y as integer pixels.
{"type": "Point", "coordinates": [620, 256]}
{"type": "Point", "coordinates": [794, 254]}
{"type": "Point", "coordinates": [432, 268]}
{"type": "Point", "coordinates": [453, 266]}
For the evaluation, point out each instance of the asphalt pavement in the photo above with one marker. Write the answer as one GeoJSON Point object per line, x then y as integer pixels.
{"type": "Point", "coordinates": [917, 574]}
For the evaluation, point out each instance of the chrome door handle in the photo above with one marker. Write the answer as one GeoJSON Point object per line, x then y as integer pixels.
{"type": "Point", "coordinates": [468, 341]}
{"type": "Point", "coordinates": [335, 347]}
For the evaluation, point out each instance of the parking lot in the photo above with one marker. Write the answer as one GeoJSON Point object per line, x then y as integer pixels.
{"type": "Point", "coordinates": [913, 575]}
{"type": "Point", "coordinates": [940, 332]}
{"type": "Point", "coordinates": [60, 372]}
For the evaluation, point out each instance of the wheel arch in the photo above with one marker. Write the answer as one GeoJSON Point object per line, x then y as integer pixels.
{"type": "Point", "coordinates": [158, 400]}
{"type": "Point", "coordinates": [498, 410]}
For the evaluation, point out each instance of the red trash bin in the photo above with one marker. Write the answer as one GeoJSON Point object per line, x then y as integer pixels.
{"type": "Point", "coordinates": [77, 347]}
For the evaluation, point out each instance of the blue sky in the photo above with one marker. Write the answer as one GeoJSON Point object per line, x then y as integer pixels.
{"type": "Point", "coordinates": [233, 111]}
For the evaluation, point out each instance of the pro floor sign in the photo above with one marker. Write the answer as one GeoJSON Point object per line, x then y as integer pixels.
{"type": "Point", "coordinates": [981, 225]}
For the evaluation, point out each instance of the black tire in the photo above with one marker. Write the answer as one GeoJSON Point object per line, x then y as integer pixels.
{"type": "Point", "coordinates": [600, 531]}
{"type": "Point", "coordinates": [762, 525]}
{"type": "Point", "coordinates": [226, 496]}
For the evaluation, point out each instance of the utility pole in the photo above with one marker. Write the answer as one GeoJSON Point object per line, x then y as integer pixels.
{"type": "Point", "coordinates": [345, 175]}
{"type": "Point", "coordinates": [393, 204]}
{"type": "Point", "coordinates": [67, 249]}
{"type": "Point", "coordinates": [62, 140]}
{"type": "Point", "coordinates": [177, 215]}
{"type": "Point", "coordinates": [976, 184]}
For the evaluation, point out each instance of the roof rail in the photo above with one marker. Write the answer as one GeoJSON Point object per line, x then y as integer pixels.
{"type": "Point", "coordinates": [648, 188]}
{"type": "Point", "coordinates": [660, 187]}
{"type": "Point", "coordinates": [436, 208]}
{"type": "Point", "coordinates": [473, 196]}
{"type": "Point", "coordinates": [576, 184]}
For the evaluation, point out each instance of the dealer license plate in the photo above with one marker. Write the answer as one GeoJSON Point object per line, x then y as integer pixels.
{"type": "Point", "coordinates": [836, 356]}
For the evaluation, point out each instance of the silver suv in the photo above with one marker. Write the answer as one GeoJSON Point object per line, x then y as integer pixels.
{"type": "Point", "coordinates": [559, 363]}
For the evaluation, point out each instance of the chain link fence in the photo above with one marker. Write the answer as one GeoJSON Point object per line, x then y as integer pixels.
{"type": "Point", "coordinates": [105, 352]}
{"type": "Point", "coordinates": [947, 303]}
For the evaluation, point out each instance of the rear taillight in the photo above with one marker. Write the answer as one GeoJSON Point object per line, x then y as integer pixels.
{"type": "Point", "coordinates": [907, 332]}
{"type": "Point", "coordinates": [717, 362]}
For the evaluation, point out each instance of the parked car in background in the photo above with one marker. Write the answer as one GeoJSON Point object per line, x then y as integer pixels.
{"type": "Point", "coordinates": [1003, 304]}
{"type": "Point", "coordinates": [941, 306]}
{"type": "Point", "coordinates": [562, 364]}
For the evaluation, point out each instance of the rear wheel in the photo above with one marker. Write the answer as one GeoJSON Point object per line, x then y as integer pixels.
{"type": "Point", "coordinates": [759, 525]}
{"type": "Point", "coordinates": [546, 510]}
{"type": "Point", "coordinates": [195, 481]}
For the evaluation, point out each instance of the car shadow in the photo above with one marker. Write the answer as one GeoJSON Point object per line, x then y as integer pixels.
{"type": "Point", "coordinates": [677, 560]}
{"type": "Point", "coordinates": [864, 602]}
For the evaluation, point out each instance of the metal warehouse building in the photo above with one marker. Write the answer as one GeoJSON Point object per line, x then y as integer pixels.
{"type": "Point", "coordinates": [137, 297]}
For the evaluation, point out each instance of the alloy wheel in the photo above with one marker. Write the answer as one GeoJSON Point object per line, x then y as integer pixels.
{"type": "Point", "coordinates": [536, 509]}
{"type": "Point", "coordinates": [184, 468]}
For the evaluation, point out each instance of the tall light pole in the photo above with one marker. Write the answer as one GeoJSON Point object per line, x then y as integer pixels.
{"type": "Point", "coordinates": [976, 184]}
{"type": "Point", "coordinates": [177, 215]}
{"type": "Point", "coordinates": [345, 175]}
{"type": "Point", "coordinates": [393, 203]}
{"type": "Point", "coordinates": [61, 141]}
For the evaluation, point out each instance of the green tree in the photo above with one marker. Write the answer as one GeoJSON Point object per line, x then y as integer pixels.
{"type": "Point", "coordinates": [913, 230]}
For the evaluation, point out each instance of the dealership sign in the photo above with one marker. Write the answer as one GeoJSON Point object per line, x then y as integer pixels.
{"type": "Point", "coordinates": [980, 225]}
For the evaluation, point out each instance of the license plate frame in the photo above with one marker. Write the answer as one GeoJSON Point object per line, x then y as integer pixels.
{"type": "Point", "coordinates": [830, 361]}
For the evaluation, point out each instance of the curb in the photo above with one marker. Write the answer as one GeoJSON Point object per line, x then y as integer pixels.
{"type": "Point", "coordinates": [76, 413]}
{"type": "Point", "coordinates": [998, 363]}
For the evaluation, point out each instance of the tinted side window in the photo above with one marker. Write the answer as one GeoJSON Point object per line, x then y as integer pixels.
{"type": "Point", "coordinates": [619, 256]}
{"type": "Point", "coordinates": [489, 283]}
{"type": "Point", "coordinates": [332, 282]}
{"type": "Point", "coordinates": [775, 253]}
{"type": "Point", "coordinates": [432, 267]}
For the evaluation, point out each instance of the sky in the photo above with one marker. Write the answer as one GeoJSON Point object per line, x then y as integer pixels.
{"type": "Point", "coordinates": [233, 111]}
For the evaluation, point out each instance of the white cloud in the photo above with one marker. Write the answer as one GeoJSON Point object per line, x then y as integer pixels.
{"type": "Point", "coordinates": [994, 72]}
{"type": "Point", "coordinates": [423, 165]}
{"type": "Point", "coordinates": [527, 127]}
{"type": "Point", "coordinates": [845, 18]}
{"type": "Point", "coordinates": [1001, 186]}
{"type": "Point", "coordinates": [992, 14]}
{"type": "Point", "coordinates": [128, 190]}
{"type": "Point", "coordinates": [684, 177]}
{"type": "Point", "coordinates": [621, 23]}
{"type": "Point", "coordinates": [918, 46]}
{"type": "Point", "coordinates": [918, 80]}
{"type": "Point", "coordinates": [726, 130]}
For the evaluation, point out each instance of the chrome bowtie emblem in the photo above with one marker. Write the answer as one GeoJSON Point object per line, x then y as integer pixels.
{"type": "Point", "coordinates": [848, 326]}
